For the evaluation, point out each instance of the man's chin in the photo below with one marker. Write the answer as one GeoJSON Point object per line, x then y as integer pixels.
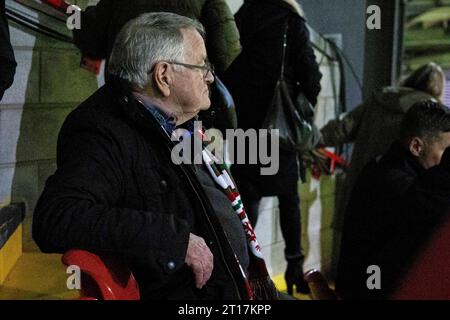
{"type": "Point", "coordinates": [206, 106]}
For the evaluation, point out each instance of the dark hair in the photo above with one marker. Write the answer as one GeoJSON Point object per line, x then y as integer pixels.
{"type": "Point", "coordinates": [428, 78]}
{"type": "Point", "coordinates": [425, 119]}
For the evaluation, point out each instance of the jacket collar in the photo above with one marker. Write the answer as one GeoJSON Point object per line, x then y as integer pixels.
{"type": "Point", "coordinates": [397, 153]}
{"type": "Point", "coordinates": [134, 110]}
{"type": "Point", "coordinates": [143, 114]}
{"type": "Point", "coordinates": [165, 119]}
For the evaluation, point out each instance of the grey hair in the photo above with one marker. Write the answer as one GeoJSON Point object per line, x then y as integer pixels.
{"type": "Point", "coordinates": [145, 40]}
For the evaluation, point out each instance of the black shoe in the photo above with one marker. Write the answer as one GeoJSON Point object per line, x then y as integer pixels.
{"type": "Point", "coordinates": [294, 276]}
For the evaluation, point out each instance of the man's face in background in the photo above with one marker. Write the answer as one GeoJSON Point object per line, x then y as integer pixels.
{"type": "Point", "coordinates": [434, 149]}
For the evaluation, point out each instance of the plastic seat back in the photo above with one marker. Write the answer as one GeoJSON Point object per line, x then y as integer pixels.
{"type": "Point", "coordinates": [102, 277]}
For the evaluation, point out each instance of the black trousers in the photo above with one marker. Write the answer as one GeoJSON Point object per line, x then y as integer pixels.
{"type": "Point", "coordinates": [290, 223]}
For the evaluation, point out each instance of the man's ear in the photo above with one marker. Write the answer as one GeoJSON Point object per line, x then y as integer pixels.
{"type": "Point", "coordinates": [416, 146]}
{"type": "Point", "coordinates": [162, 78]}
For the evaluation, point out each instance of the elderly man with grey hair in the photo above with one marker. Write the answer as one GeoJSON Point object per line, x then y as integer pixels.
{"type": "Point", "coordinates": [116, 190]}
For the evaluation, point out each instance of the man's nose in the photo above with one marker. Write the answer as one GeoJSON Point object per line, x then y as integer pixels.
{"type": "Point", "coordinates": [209, 77]}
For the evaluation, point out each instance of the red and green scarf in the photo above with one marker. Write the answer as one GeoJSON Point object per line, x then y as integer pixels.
{"type": "Point", "coordinates": [259, 283]}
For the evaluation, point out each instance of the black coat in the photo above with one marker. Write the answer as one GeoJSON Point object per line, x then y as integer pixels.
{"type": "Point", "coordinates": [394, 208]}
{"type": "Point", "coordinates": [429, 197]}
{"type": "Point", "coordinates": [252, 77]}
{"type": "Point", "coordinates": [117, 192]}
{"type": "Point", "coordinates": [7, 61]}
{"type": "Point", "coordinates": [426, 209]}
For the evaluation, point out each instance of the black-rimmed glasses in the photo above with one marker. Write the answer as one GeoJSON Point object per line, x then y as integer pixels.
{"type": "Point", "coordinates": [206, 68]}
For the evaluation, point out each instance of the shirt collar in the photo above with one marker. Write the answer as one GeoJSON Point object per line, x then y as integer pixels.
{"type": "Point", "coordinates": [165, 118]}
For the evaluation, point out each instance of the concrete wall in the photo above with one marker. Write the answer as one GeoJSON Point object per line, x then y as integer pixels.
{"type": "Point", "coordinates": [346, 18]}
{"type": "Point", "coordinates": [48, 84]}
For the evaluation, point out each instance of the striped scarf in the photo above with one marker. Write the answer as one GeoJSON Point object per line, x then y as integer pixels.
{"type": "Point", "coordinates": [259, 284]}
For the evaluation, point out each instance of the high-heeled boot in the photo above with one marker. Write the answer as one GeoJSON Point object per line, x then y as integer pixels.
{"type": "Point", "coordinates": [294, 276]}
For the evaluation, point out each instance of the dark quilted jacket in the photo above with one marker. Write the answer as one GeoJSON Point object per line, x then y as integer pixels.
{"type": "Point", "coordinates": [116, 191]}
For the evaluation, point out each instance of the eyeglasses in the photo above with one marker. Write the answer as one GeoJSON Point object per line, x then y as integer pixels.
{"type": "Point", "coordinates": [206, 68]}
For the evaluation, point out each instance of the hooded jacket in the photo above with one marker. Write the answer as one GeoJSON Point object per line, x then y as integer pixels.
{"type": "Point", "coordinates": [373, 125]}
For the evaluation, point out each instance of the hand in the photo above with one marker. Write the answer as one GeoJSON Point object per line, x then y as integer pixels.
{"type": "Point", "coordinates": [321, 163]}
{"type": "Point", "coordinates": [319, 153]}
{"type": "Point", "coordinates": [200, 259]}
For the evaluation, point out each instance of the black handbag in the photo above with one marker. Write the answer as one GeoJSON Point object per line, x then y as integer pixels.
{"type": "Point", "coordinates": [292, 117]}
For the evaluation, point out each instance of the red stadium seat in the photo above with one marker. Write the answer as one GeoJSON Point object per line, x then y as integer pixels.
{"type": "Point", "coordinates": [102, 278]}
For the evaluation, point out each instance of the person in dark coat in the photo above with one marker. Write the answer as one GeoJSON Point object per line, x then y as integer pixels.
{"type": "Point", "coordinates": [251, 80]}
{"type": "Point", "coordinates": [116, 190]}
{"type": "Point", "coordinates": [102, 23]}
{"type": "Point", "coordinates": [426, 211]}
{"type": "Point", "coordinates": [431, 194]}
{"type": "Point", "coordinates": [374, 124]}
{"type": "Point", "coordinates": [390, 213]}
{"type": "Point", "coordinates": [7, 61]}
{"type": "Point", "coordinates": [428, 278]}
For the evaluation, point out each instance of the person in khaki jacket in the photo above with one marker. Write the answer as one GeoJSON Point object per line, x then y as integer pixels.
{"type": "Point", "coordinates": [374, 124]}
{"type": "Point", "coordinates": [100, 25]}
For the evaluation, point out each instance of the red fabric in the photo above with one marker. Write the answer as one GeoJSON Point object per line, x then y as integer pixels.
{"type": "Point", "coordinates": [334, 159]}
{"type": "Point", "coordinates": [112, 280]}
{"type": "Point", "coordinates": [319, 166]}
{"type": "Point", "coordinates": [60, 5]}
{"type": "Point", "coordinates": [429, 278]}
{"type": "Point", "coordinates": [90, 64]}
